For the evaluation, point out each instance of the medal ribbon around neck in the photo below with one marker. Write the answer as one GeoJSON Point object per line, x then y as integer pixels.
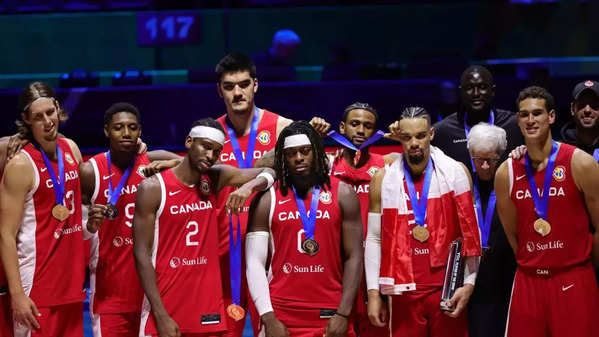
{"type": "Point", "coordinates": [249, 153]}
{"type": "Point", "coordinates": [235, 260]}
{"type": "Point", "coordinates": [58, 184]}
{"type": "Point", "coordinates": [308, 221]}
{"type": "Point", "coordinates": [484, 219]}
{"type": "Point", "coordinates": [339, 138]}
{"type": "Point", "coordinates": [541, 203]}
{"type": "Point", "coordinates": [419, 206]}
{"type": "Point", "coordinates": [596, 155]}
{"type": "Point", "coordinates": [116, 193]}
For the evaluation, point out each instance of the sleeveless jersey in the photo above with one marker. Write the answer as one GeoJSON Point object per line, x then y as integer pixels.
{"type": "Point", "coordinates": [569, 243]}
{"type": "Point", "coordinates": [113, 279]}
{"type": "Point", "coordinates": [297, 279]}
{"type": "Point", "coordinates": [3, 281]}
{"type": "Point", "coordinates": [185, 257]}
{"type": "Point", "coordinates": [51, 252]}
{"type": "Point", "coordinates": [266, 138]}
{"type": "Point", "coordinates": [359, 179]}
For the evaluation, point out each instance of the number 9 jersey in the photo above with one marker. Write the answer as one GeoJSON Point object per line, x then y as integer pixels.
{"type": "Point", "coordinates": [185, 257]}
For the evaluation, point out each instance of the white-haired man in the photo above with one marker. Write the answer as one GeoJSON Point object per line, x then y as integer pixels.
{"type": "Point", "coordinates": [489, 303]}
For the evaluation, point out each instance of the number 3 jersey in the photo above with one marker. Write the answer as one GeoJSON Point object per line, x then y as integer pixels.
{"type": "Point", "coordinates": [51, 254]}
{"type": "Point", "coordinates": [185, 257]}
{"type": "Point", "coordinates": [299, 280]}
{"type": "Point", "coordinates": [114, 283]}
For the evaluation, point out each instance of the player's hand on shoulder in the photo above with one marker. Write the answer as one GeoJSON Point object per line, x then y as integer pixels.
{"type": "Point", "coordinates": [274, 327]}
{"type": "Point", "coordinates": [236, 200]}
{"type": "Point", "coordinates": [15, 143]}
{"type": "Point", "coordinates": [95, 217]}
{"type": "Point", "coordinates": [24, 311]}
{"type": "Point", "coordinates": [141, 146]}
{"type": "Point", "coordinates": [167, 327]}
{"type": "Point", "coordinates": [336, 327]}
{"type": "Point", "coordinates": [160, 165]}
{"type": "Point", "coordinates": [460, 300]}
{"type": "Point", "coordinates": [321, 125]}
{"type": "Point", "coordinates": [518, 152]}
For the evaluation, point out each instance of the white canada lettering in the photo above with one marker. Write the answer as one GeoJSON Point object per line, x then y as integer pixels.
{"type": "Point", "coordinates": [361, 188]}
{"type": "Point", "coordinates": [129, 189]}
{"type": "Point", "coordinates": [129, 212]}
{"type": "Point", "coordinates": [553, 192]}
{"type": "Point", "coordinates": [70, 175]}
{"type": "Point", "coordinates": [188, 208]}
{"type": "Point", "coordinates": [284, 216]}
{"type": "Point", "coordinates": [225, 157]}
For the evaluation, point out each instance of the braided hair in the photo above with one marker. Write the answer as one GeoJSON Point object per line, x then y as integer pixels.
{"type": "Point", "coordinates": [320, 161]}
{"type": "Point", "coordinates": [415, 112]}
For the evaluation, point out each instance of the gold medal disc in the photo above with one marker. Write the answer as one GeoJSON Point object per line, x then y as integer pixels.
{"type": "Point", "coordinates": [420, 233]}
{"type": "Point", "coordinates": [542, 227]}
{"type": "Point", "coordinates": [235, 312]}
{"type": "Point", "coordinates": [60, 212]}
{"type": "Point", "coordinates": [310, 246]}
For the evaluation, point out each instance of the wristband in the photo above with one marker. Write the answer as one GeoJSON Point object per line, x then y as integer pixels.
{"type": "Point", "coordinates": [344, 316]}
{"type": "Point", "coordinates": [269, 179]}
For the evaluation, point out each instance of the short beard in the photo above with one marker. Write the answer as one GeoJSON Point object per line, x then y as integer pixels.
{"type": "Point", "coordinates": [416, 159]}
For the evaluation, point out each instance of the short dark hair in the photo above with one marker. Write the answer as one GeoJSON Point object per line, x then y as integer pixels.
{"type": "Point", "coordinates": [209, 122]}
{"type": "Point", "coordinates": [234, 62]}
{"type": "Point", "coordinates": [28, 95]}
{"type": "Point", "coordinates": [363, 106]}
{"type": "Point", "coordinates": [415, 112]}
{"type": "Point", "coordinates": [320, 157]}
{"type": "Point", "coordinates": [477, 69]}
{"type": "Point", "coordinates": [121, 107]}
{"type": "Point", "coordinates": [536, 92]}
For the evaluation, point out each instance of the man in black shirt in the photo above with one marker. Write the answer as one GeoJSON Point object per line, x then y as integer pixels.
{"type": "Point", "coordinates": [477, 91]}
{"type": "Point", "coordinates": [583, 130]}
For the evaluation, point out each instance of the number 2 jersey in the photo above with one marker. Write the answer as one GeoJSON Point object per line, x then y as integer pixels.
{"type": "Point", "coordinates": [51, 253]}
{"type": "Point", "coordinates": [113, 280]}
{"type": "Point", "coordinates": [185, 257]}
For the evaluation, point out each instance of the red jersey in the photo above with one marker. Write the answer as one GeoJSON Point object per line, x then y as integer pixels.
{"type": "Point", "coordinates": [569, 243]}
{"type": "Point", "coordinates": [359, 179]}
{"type": "Point", "coordinates": [51, 252]}
{"type": "Point", "coordinates": [185, 257]}
{"type": "Point", "coordinates": [298, 279]}
{"type": "Point", "coordinates": [114, 283]}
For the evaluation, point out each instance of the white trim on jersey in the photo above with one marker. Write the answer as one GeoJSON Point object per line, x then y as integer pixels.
{"type": "Point", "coordinates": [94, 253]}
{"type": "Point", "coordinates": [26, 239]}
{"type": "Point", "coordinates": [273, 200]}
{"type": "Point", "coordinates": [20, 330]}
{"type": "Point", "coordinates": [96, 180]}
{"type": "Point", "coordinates": [96, 324]}
{"type": "Point", "coordinates": [146, 307]}
{"type": "Point", "coordinates": [510, 172]}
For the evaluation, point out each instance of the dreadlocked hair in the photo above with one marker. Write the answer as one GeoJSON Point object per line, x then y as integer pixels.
{"type": "Point", "coordinates": [320, 163]}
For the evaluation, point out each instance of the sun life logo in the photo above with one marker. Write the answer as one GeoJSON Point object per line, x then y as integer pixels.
{"type": "Point", "coordinates": [57, 233]}
{"type": "Point", "coordinates": [559, 173]}
{"type": "Point", "coordinates": [117, 241]}
{"type": "Point", "coordinates": [175, 262]}
{"type": "Point", "coordinates": [264, 137]}
{"type": "Point", "coordinates": [530, 246]}
{"type": "Point", "coordinates": [287, 267]}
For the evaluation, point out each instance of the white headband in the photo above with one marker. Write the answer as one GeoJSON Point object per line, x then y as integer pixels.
{"type": "Point", "coordinates": [296, 140]}
{"type": "Point", "coordinates": [213, 134]}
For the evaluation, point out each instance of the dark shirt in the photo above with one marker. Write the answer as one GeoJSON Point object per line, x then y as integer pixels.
{"type": "Point", "coordinates": [568, 136]}
{"type": "Point", "coordinates": [450, 135]}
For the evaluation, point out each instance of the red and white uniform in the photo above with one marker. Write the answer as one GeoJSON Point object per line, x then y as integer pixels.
{"type": "Point", "coordinates": [359, 179]}
{"type": "Point", "coordinates": [555, 292]}
{"type": "Point", "coordinates": [302, 286]}
{"type": "Point", "coordinates": [51, 252]}
{"type": "Point", "coordinates": [185, 257]}
{"type": "Point", "coordinates": [415, 270]}
{"type": "Point", "coordinates": [266, 139]}
{"type": "Point", "coordinates": [114, 284]}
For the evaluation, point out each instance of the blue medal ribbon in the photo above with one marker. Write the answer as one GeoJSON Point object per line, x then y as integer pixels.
{"type": "Point", "coordinates": [541, 203]}
{"type": "Point", "coordinates": [249, 153]}
{"type": "Point", "coordinates": [339, 138]}
{"type": "Point", "coordinates": [308, 220]}
{"type": "Point", "coordinates": [467, 131]}
{"type": "Point", "coordinates": [484, 219]}
{"type": "Point", "coordinates": [418, 206]}
{"type": "Point", "coordinates": [235, 260]}
{"type": "Point", "coordinates": [116, 193]}
{"type": "Point", "coordinates": [58, 184]}
{"type": "Point", "coordinates": [596, 155]}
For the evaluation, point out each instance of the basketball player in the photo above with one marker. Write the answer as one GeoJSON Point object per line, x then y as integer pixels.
{"type": "Point", "coordinates": [175, 239]}
{"type": "Point", "coordinates": [250, 133]}
{"type": "Point", "coordinates": [315, 262]}
{"type": "Point", "coordinates": [545, 201]}
{"type": "Point", "coordinates": [418, 206]}
{"type": "Point", "coordinates": [41, 240]}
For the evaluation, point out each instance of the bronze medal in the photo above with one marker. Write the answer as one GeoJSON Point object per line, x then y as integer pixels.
{"type": "Point", "coordinates": [542, 227]}
{"type": "Point", "coordinates": [310, 246]}
{"type": "Point", "coordinates": [420, 233]}
{"type": "Point", "coordinates": [60, 212]}
{"type": "Point", "coordinates": [111, 212]}
{"type": "Point", "coordinates": [235, 312]}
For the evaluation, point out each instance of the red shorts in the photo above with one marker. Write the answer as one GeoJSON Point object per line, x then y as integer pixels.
{"type": "Point", "coordinates": [62, 320]}
{"type": "Point", "coordinates": [362, 324]}
{"type": "Point", "coordinates": [305, 322]}
{"type": "Point", "coordinates": [116, 325]}
{"type": "Point", "coordinates": [418, 314]}
{"type": "Point", "coordinates": [563, 304]}
{"type": "Point", "coordinates": [5, 316]}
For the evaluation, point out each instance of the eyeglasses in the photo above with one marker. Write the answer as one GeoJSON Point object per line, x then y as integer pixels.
{"type": "Point", "coordinates": [482, 160]}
